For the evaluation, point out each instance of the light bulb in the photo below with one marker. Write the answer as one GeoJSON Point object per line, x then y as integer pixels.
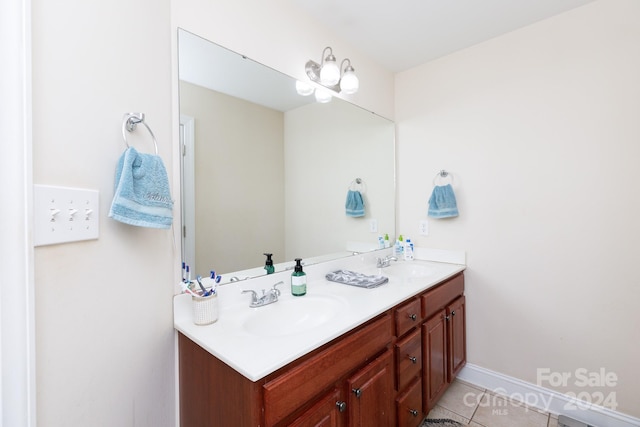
{"type": "Point", "coordinates": [349, 83]}
{"type": "Point", "coordinates": [329, 73]}
{"type": "Point", "coordinates": [304, 89]}
{"type": "Point", "coordinates": [323, 96]}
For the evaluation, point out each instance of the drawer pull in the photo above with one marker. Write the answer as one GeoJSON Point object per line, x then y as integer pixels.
{"type": "Point", "coordinates": [413, 412]}
{"type": "Point", "coordinates": [413, 317]}
{"type": "Point", "coordinates": [453, 313]}
{"type": "Point", "coordinates": [357, 392]}
{"type": "Point", "coordinates": [413, 359]}
{"type": "Point", "coordinates": [342, 406]}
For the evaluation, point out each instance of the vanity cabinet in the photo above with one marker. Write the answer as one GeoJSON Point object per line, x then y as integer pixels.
{"type": "Point", "coordinates": [443, 339]}
{"type": "Point", "coordinates": [388, 371]}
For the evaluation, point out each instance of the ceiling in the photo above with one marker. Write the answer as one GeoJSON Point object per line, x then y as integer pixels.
{"type": "Point", "coordinates": [401, 34]}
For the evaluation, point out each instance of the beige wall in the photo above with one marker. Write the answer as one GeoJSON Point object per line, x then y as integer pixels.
{"type": "Point", "coordinates": [104, 337]}
{"type": "Point", "coordinates": [327, 146]}
{"type": "Point", "coordinates": [540, 128]}
{"type": "Point", "coordinates": [238, 215]}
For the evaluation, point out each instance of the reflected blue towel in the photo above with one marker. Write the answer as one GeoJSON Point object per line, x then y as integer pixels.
{"type": "Point", "coordinates": [354, 204]}
{"type": "Point", "coordinates": [142, 194]}
{"type": "Point", "coordinates": [442, 203]}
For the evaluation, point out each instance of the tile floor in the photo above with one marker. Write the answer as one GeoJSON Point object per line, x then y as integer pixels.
{"type": "Point", "coordinates": [476, 407]}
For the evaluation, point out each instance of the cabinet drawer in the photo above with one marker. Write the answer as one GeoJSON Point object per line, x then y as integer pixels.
{"type": "Point", "coordinates": [408, 358]}
{"type": "Point", "coordinates": [409, 405]}
{"type": "Point", "coordinates": [286, 393]}
{"type": "Point", "coordinates": [407, 316]}
{"type": "Point", "coordinates": [436, 299]}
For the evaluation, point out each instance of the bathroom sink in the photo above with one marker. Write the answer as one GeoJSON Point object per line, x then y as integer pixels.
{"type": "Point", "coordinates": [408, 271]}
{"type": "Point", "coordinates": [292, 316]}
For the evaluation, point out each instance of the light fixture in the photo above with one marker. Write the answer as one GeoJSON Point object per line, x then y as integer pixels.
{"type": "Point", "coordinates": [303, 88]}
{"type": "Point", "coordinates": [323, 96]}
{"type": "Point", "coordinates": [349, 82]}
{"type": "Point", "coordinates": [328, 74]}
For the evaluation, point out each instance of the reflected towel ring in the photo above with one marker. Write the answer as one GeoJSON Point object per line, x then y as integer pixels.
{"type": "Point", "coordinates": [357, 185]}
{"type": "Point", "coordinates": [442, 175]}
{"type": "Point", "coordinates": [129, 124]}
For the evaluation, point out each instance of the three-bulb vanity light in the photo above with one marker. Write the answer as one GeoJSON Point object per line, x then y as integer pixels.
{"type": "Point", "coordinates": [341, 79]}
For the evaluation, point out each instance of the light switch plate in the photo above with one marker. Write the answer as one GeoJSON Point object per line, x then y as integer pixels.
{"type": "Point", "coordinates": [63, 214]}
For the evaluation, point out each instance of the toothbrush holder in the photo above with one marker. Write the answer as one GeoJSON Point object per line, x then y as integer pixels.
{"type": "Point", "coordinates": [205, 309]}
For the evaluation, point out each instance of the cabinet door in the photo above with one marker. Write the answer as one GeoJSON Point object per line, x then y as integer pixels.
{"type": "Point", "coordinates": [457, 337]}
{"type": "Point", "coordinates": [328, 412]}
{"type": "Point", "coordinates": [434, 341]}
{"type": "Point", "coordinates": [370, 401]}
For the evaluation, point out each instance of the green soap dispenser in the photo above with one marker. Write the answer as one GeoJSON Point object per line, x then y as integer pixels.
{"type": "Point", "coordinates": [268, 265]}
{"type": "Point", "coordinates": [298, 280]}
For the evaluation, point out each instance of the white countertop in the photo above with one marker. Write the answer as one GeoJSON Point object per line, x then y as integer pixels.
{"type": "Point", "coordinates": [256, 356]}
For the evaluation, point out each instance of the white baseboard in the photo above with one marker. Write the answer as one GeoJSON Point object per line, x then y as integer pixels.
{"type": "Point", "coordinates": [545, 399]}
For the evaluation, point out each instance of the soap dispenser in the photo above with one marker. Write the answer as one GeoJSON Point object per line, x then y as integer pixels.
{"type": "Point", "coordinates": [298, 280]}
{"type": "Point", "coordinates": [268, 265]}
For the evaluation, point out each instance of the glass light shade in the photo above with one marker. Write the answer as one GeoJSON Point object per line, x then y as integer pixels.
{"type": "Point", "coordinates": [329, 73]}
{"type": "Point", "coordinates": [349, 83]}
{"type": "Point", "coordinates": [304, 89]}
{"type": "Point", "coordinates": [323, 96]}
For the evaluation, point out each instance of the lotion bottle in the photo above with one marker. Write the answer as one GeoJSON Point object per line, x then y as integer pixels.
{"type": "Point", "coordinates": [268, 265]}
{"type": "Point", "coordinates": [408, 250]}
{"type": "Point", "coordinates": [298, 280]}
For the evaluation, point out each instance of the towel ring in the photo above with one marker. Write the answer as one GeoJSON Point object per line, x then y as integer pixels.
{"type": "Point", "coordinates": [442, 175]}
{"type": "Point", "coordinates": [129, 124]}
{"type": "Point", "coordinates": [357, 184]}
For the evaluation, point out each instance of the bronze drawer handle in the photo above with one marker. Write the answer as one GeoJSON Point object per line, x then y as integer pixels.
{"type": "Point", "coordinates": [413, 317]}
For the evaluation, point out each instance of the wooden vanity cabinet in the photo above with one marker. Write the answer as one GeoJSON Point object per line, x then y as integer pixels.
{"type": "Point", "coordinates": [443, 338]}
{"type": "Point", "coordinates": [389, 371]}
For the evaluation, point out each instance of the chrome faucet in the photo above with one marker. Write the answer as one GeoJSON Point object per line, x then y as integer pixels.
{"type": "Point", "coordinates": [386, 261]}
{"type": "Point", "coordinates": [267, 297]}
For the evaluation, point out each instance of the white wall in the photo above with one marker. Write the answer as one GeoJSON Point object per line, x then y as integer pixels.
{"type": "Point", "coordinates": [540, 129]}
{"type": "Point", "coordinates": [104, 319]}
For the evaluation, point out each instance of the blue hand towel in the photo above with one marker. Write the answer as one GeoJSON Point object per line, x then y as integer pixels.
{"type": "Point", "coordinates": [354, 204]}
{"type": "Point", "coordinates": [442, 203]}
{"type": "Point", "coordinates": [142, 194]}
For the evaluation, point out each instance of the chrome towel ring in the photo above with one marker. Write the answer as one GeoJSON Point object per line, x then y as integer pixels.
{"type": "Point", "coordinates": [441, 176]}
{"type": "Point", "coordinates": [129, 124]}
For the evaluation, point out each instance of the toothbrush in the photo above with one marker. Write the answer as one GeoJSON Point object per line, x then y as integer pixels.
{"type": "Point", "coordinates": [186, 289]}
{"type": "Point", "coordinates": [184, 277]}
{"type": "Point", "coordinates": [204, 291]}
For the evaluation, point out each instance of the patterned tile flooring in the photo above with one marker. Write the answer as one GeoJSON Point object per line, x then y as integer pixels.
{"type": "Point", "coordinates": [476, 407]}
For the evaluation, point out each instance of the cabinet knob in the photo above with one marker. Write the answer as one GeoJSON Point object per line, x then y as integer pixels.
{"type": "Point", "coordinates": [453, 313]}
{"type": "Point", "coordinates": [446, 317]}
{"type": "Point", "coordinates": [356, 391]}
{"type": "Point", "coordinates": [413, 412]}
{"type": "Point", "coordinates": [413, 359]}
{"type": "Point", "coordinates": [342, 406]}
{"type": "Point", "coordinates": [413, 317]}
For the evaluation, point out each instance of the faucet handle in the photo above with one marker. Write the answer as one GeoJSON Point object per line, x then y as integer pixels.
{"type": "Point", "coordinates": [254, 295]}
{"type": "Point", "coordinates": [275, 289]}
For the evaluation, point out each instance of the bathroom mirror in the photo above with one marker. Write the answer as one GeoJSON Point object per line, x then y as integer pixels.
{"type": "Point", "coordinates": [266, 170]}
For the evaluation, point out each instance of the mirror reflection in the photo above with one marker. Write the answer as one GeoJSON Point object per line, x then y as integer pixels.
{"type": "Point", "coordinates": [266, 170]}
